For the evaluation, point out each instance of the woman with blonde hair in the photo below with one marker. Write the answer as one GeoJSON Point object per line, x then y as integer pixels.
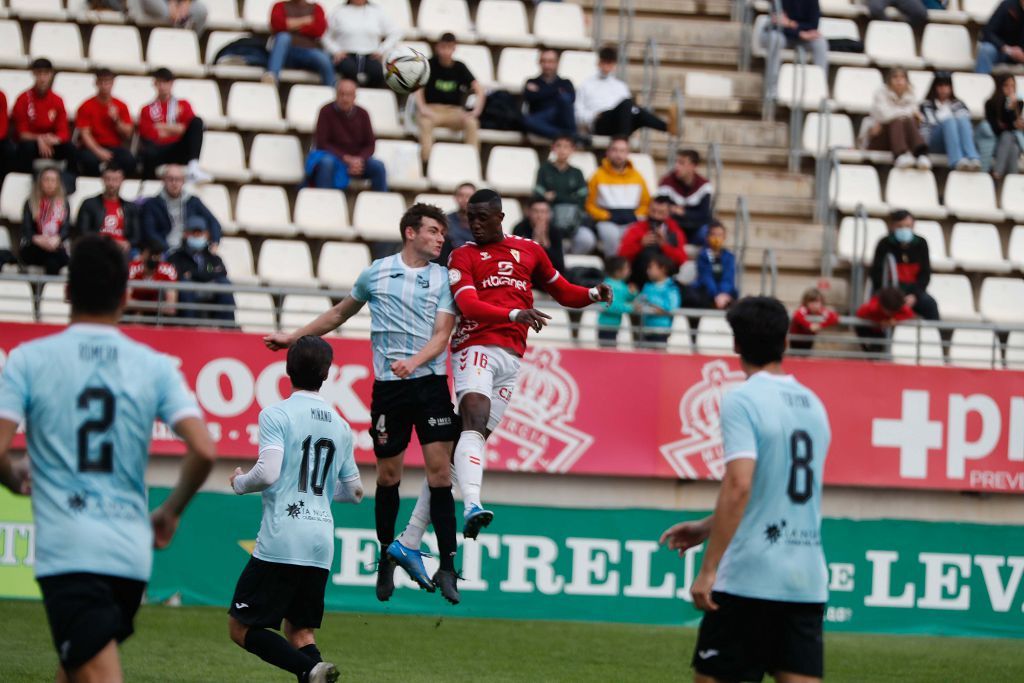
{"type": "Point", "coordinates": [46, 224]}
{"type": "Point", "coordinates": [897, 118]}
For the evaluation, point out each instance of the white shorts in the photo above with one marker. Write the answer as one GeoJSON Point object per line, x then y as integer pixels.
{"type": "Point", "coordinates": [488, 370]}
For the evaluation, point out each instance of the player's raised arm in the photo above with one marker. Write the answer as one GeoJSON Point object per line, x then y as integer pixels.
{"type": "Point", "coordinates": [328, 321]}
{"type": "Point", "coordinates": [563, 291]}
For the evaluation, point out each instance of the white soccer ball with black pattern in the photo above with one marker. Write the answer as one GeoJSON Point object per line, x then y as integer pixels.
{"type": "Point", "coordinates": [406, 70]}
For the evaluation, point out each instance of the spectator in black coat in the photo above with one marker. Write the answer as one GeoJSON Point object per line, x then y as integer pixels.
{"type": "Point", "coordinates": [536, 226]}
{"type": "Point", "coordinates": [194, 262]}
{"type": "Point", "coordinates": [1002, 39]}
{"type": "Point", "coordinates": [550, 100]}
{"type": "Point", "coordinates": [165, 216]}
{"type": "Point", "coordinates": [46, 224]}
{"type": "Point", "coordinates": [903, 256]}
{"type": "Point", "coordinates": [109, 214]}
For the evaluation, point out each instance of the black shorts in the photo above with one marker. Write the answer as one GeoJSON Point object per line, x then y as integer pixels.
{"type": "Point", "coordinates": [268, 592]}
{"type": "Point", "coordinates": [87, 611]}
{"type": "Point", "coordinates": [745, 638]}
{"type": "Point", "coordinates": [398, 405]}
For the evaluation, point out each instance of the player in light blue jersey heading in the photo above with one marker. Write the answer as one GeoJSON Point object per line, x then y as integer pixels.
{"type": "Point", "coordinates": [88, 397]}
{"type": "Point", "coordinates": [763, 583]}
{"type": "Point", "coordinates": [305, 462]}
{"type": "Point", "coordinates": [412, 315]}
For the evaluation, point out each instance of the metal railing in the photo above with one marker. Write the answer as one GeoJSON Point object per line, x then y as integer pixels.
{"type": "Point", "coordinates": [769, 272]}
{"type": "Point", "coordinates": [627, 14]}
{"type": "Point", "coordinates": [650, 86]}
{"type": "Point", "coordinates": [860, 249]}
{"type": "Point", "coordinates": [674, 141]}
{"type": "Point", "coordinates": [743, 12]}
{"type": "Point", "coordinates": [714, 164]}
{"type": "Point", "coordinates": [825, 213]}
{"type": "Point", "coordinates": [741, 233]}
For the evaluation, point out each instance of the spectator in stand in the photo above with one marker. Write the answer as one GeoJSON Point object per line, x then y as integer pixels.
{"type": "Point", "coordinates": [947, 125]}
{"type": "Point", "coordinates": [550, 100]}
{"type": "Point", "coordinates": [443, 101]}
{"type": "Point", "coordinates": [297, 26]}
{"type": "Point", "coordinates": [359, 36]}
{"type": "Point", "coordinates": [658, 235]}
{"type": "Point", "coordinates": [616, 196]}
{"type": "Point", "coordinates": [536, 225]}
{"type": "Point", "coordinates": [658, 299]}
{"type": "Point", "coordinates": [1002, 39]}
{"type": "Point", "coordinates": [151, 267]}
{"type": "Point", "coordinates": [1003, 113]}
{"type": "Point", "coordinates": [46, 224]}
{"type": "Point", "coordinates": [796, 26]}
{"type": "Point", "coordinates": [716, 274]}
{"type": "Point", "coordinates": [565, 188]}
{"type": "Point", "coordinates": [41, 128]}
{"type": "Point", "coordinates": [895, 117]}
{"type": "Point", "coordinates": [617, 276]}
{"type": "Point", "coordinates": [902, 260]}
{"type": "Point", "coordinates": [458, 223]}
{"type": "Point", "coordinates": [169, 131]}
{"type": "Point", "coordinates": [109, 214]}
{"type": "Point", "coordinates": [6, 146]}
{"type": "Point", "coordinates": [195, 262]}
{"type": "Point", "coordinates": [691, 195]}
{"type": "Point", "coordinates": [605, 106]}
{"type": "Point", "coordinates": [191, 14]}
{"type": "Point", "coordinates": [343, 144]}
{"type": "Point", "coordinates": [914, 11]}
{"type": "Point", "coordinates": [105, 129]}
{"type": "Point", "coordinates": [165, 217]}
{"type": "Point", "coordinates": [812, 317]}
{"type": "Point", "coordinates": [886, 309]}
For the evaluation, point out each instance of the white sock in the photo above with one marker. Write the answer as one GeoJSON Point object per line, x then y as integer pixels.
{"type": "Point", "coordinates": [412, 537]}
{"type": "Point", "coordinates": [469, 466]}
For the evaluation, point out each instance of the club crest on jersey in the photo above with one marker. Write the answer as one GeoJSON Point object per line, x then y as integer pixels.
{"type": "Point", "coordinates": [515, 254]}
{"type": "Point", "coordinates": [698, 455]}
{"type": "Point", "coordinates": [454, 276]}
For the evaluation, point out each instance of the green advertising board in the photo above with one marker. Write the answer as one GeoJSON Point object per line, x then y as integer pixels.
{"type": "Point", "coordinates": [600, 565]}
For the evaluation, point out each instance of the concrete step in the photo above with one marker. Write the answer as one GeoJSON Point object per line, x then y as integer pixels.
{"type": "Point", "coordinates": [686, 54]}
{"type": "Point", "coordinates": [745, 85]}
{"type": "Point", "coordinates": [790, 287]}
{"type": "Point", "coordinates": [768, 183]}
{"type": "Point", "coordinates": [786, 236]}
{"type": "Point", "coordinates": [720, 8]}
{"type": "Point", "coordinates": [761, 206]}
{"type": "Point", "coordinates": [691, 32]}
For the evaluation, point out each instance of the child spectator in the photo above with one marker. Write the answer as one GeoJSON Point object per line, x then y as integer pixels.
{"type": "Point", "coordinates": [947, 125]}
{"type": "Point", "coordinates": [895, 115]}
{"type": "Point", "coordinates": [659, 297]}
{"type": "Point", "coordinates": [617, 272]}
{"type": "Point", "coordinates": [811, 318]}
{"type": "Point", "coordinates": [150, 266]}
{"type": "Point", "coordinates": [46, 224]}
{"type": "Point", "coordinates": [716, 273]}
{"type": "Point", "coordinates": [885, 309]}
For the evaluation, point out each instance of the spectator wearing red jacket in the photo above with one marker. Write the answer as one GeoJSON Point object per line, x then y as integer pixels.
{"type": "Point", "coordinates": [105, 129]}
{"type": "Point", "coordinates": [170, 131]}
{"type": "Point", "coordinates": [811, 318]}
{"type": "Point", "coordinates": [659, 234]}
{"type": "Point", "coordinates": [41, 128]}
{"type": "Point", "coordinates": [886, 309]}
{"type": "Point", "coordinates": [150, 266]}
{"type": "Point", "coordinates": [6, 146]}
{"type": "Point", "coordinates": [297, 26]}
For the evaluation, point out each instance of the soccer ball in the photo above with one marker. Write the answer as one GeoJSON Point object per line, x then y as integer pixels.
{"type": "Point", "coordinates": [406, 70]}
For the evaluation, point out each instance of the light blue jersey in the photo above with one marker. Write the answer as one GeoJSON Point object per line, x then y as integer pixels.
{"type": "Point", "coordinates": [404, 303]}
{"type": "Point", "coordinates": [317, 444]}
{"type": "Point", "coordinates": [88, 397]}
{"type": "Point", "coordinates": [776, 553]}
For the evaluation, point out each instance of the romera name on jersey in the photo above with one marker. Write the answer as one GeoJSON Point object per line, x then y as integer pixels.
{"type": "Point", "coordinates": [493, 281]}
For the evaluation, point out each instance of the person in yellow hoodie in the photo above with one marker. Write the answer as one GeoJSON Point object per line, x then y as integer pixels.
{"type": "Point", "coordinates": [617, 196]}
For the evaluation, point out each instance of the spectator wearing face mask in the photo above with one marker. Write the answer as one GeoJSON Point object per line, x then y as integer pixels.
{"type": "Point", "coordinates": [150, 267]}
{"type": "Point", "coordinates": [902, 260]}
{"type": "Point", "coordinates": [194, 262]}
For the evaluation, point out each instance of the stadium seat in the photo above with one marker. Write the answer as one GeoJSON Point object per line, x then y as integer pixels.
{"type": "Point", "coordinates": [976, 247]}
{"type": "Point", "coordinates": [299, 309]}
{"type": "Point", "coordinates": [515, 66]}
{"type": "Point", "coordinates": [440, 16]}
{"type": "Point", "coordinates": [14, 82]}
{"type": "Point", "coordinates": [304, 104]}
{"type": "Point", "coordinates": [854, 185]}
{"type": "Point", "coordinates": [854, 87]}
{"type": "Point", "coordinates": [38, 9]}
{"type": "Point", "coordinates": [85, 187]}
{"type": "Point", "coordinates": [503, 22]}
{"type": "Point", "coordinates": [588, 330]}
{"type": "Point", "coordinates": [714, 336]}
{"type": "Point", "coordinates": [54, 308]}
{"type": "Point", "coordinates": [1015, 250]}
{"type": "Point", "coordinates": [477, 59]}
{"type": "Point", "coordinates": [1012, 196]}
{"type": "Point", "coordinates": [846, 243]}
{"type": "Point", "coordinates": [947, 47]}
{"type": "Point", "coordinates": [814, 89]}
{"type": "Point", "coordinates": [921, 82]}
{"type": "Point", "coordinates": [255, 106]}
{"type": "Point", "coordinates": [13, 194]}
{"type": "Point", "coordinates": [445, 202]}
{"type": "Point", "coordinates": [61, 43]}
{"type": "Point", "coordinates": [256, 14]}
{"type": "Point", "coordinates": [585, 161]}
{"type": "Point", "coordinates": [974, 349]}
{"type": "Point", "coordinates": [842, 8]}
{"type": "Point", "coordinates": [577, 66]}
{"type": "Point", "coordinates": [74, 88]}
{"type": "Point", "coordinates": [16, 302]}
{"type": "Point", "coordinates": [177, 49]}
{"type": "Point", "coordinates": [842, 29]}
{"type": "Point", "coordinates": [276, 159]}
{"type": "Point", "coordinates": [223, 157]}
{"type": "Point", "coordinates": [915, 345]}
{"type": "Point", "coordinates": [644, 164]}
{"type": "Point", "coordinates": [136, 92]}
{"type": "Point", "coordinates": [401, 14]}
{"type": "Point", "coordinates": [914, 190]}
{"type": "Point", "coordinates": [254, 312]}
{"type": "Point", "coordinates": [285, 262]}
{"type": "Point", "coordinates": [558, 331]}
{"type": "Point", "coordinates": [1015, 351]}
{"type": "Point", "coordinates": [561, 25]}
{"type": "Point", "coordinates": [218, 202]}
{"type": "Point", "coordinates": [837, 134]}
{"type": "Point", "coordinates": [891, 43]}
{"type": "Point", "coordinates": [707, 85]}
{"type": "Point", "coordinates": [1001, 300]}
{"type": "Point", "coordinates": [263, 210]}
{"type": "Point", "coordinates": [933, 234]}
{"type": "Point", "coordinates": [402, 160]}
{"type": "Point", "coordinates": [204, 97]}
{"type": "Point", "coordinates": [341, 263]}
{"type": "Point", "coordinates": [234, 71]}
{"type": "Point", "coordinates": [118, 48]}
{"type": "Point", "coordinates": [223, 15]}
{"type": "Point", "coordinates": [376, 215]}
{"type": "Point", "coordinates": [955, 297]}
{"type": "Point", "coordinates": [513, 211]}
{"type": "Point", "coordinates": [12, 51]}
{"type": "Point", "coordinates": [451, 164]}
{"type": "Point", "coordinates": [583, 261]}
{"type": "Point", "coordinates": [979, 10]}
{"type": "Point", "coordinates": [512, 170]}
{"type": "Point", "coordinates": [974, 90]}
{"type": "Point", "coordinates": [236, 253]}
{"type": "Point", "coordinates": [972, 197]}
{"type": "Point", "coordinates": [323, 213]}
{"type": "Point", "coordinates": [382, 106]}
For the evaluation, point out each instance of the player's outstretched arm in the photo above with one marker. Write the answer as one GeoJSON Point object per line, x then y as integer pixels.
{"type": "Point", "coordinates": [443, 326]}
{"type": "Point", "coordinates": [326, 322]}
{"type": "Point", "coordinates": [263, 474]}
{"type": "Point", "coordinates": [14, 474]}
{"type": "Point", "coordinates": [686, 535]}
{"type": "Point", "coordinates": [350, 491]}
{"type": "Point", "coordinates": [194, 470]}
{"type": "Point", "coordinates": [574, 296]}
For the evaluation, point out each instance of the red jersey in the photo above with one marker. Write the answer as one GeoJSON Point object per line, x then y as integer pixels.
{"type": "Point", "coordinates": [171, 111]}
{"type": "Point", "coordinates": [39, 114]}
{"type": "Point", "coordinates": [503, 275]}
{"type": "Point", "coordinates": [872, 310]}
{"type": "Point", "coordinates": [101, 120]}
{"type": "Point", "coordinates": [165, 272]}
{"type": "Point", "coordinates": [4, 121]}
{"type": "Point", "coordinates": [113, 220]}
{"type": "Point", "coordinates": [802, 324]}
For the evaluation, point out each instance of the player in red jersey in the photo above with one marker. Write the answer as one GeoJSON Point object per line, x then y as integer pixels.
{"type": "Point", "coordinates": [492, 280]}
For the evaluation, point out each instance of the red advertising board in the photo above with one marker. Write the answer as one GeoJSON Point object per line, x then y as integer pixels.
{"type": "Point", "coordinates": [593, 412]}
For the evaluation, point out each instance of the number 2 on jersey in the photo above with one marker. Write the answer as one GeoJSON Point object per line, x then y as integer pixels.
{"type": "Point", "coordinates": [86, 399]}
{"type": "Point", "coordinates": [323, 454]}
{"type": "Point", "coordinates": [801, 476]}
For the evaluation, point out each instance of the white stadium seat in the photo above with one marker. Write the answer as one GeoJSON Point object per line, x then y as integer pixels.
{"type": "Point", "coordinates": [891, 43]}
{"type": "Point", "coordinates": [276, 159]}
{"type": "Point", "coordinates": [14, 82]}
{"type": "Point", "coordinates": [37, 9]}
{"type": "Point", "coordinates": [12, 51]}
{"type": "Point", "coordinates": [561, 25]}
{"type": "Point", "coordinates": [341, 263]}
{"type": "Point", "coordinates": [256, 14]}
{"type": "Point", "coordinates": [644, 165]}
{"type": "Point", "coordinates": [440, 16]}
{"type": "Point", "coordinates": [577, 66]}
{"type": "Point", "coordinates": [955, 297]}
{"type": "Point", "coordinates": [255, 106]}
{"type": "Point", "coordinates": [85, 187]}
{"type": "Point", "coordinates": [1013, 197]}
{"type": "Point", "coordinates": [402, 160]}
{"type": "Point", "coordinates": [512, 170]}
{"type": "Point", "coordinates": [707, 85]}
{"type": "Point", "coordinates": [854, 87]}
{"type": "Point", "coordinates": [921, 82]}
{"type": "Point", "coordinates": [299, 309]}
{"type": "Point", "coordinates": [263, 210]}
{"type": "Point", "coordinates": [136, 92]}
{"type": "Point", "coordinates": [973, 90]}
{"type": "Point", "coordinates": [382, 106]}
{"type": "Point", "coordinates": [118, 48]}
{"type": "Point", "coordinates": [304, 104]}
{"type": "Point", "coordinates": [972, 197]}
{"type": "Point", "coordinates": [1001, 298]}
{"type": "Point", "coordinates": [1015, 250]}
{"type": "Point", "coordinates": [854, 185]}
{"type": "Point", "coordinates": [847, 246]}
{"type": "Point", "coordinates": [815, 85]}
{"type": "Point", "coordinates": [947, 47]}
{"type": "Point", "coordinates": [237, 255]}
{"type": "Point", "coordinates": [176, 49]}
{"type": "Point", "coordinates": [584, 261]}
{"type": "Point", "coordinates": [503, 22]}
{"type": "Point", "coordinates": [376, 215]}
{"type": "Point", "coordinates": [254, 312]}
{"type": "Point", "coordinates": [843, 8]}
{"type": "Point", "coordinates": [477, 59]}
{"type": "Point", "coordinates": [54, 308]}
{"type": "Point", "coordinates": [451, 164]}
{"type": "Point", "coordinates": [714, 336]}
{"type": "Point", "coordinates": [358, 326]}
{"type": "Point", "coordinates": [61, 43]}
{"type": "Point", "coordinates": [445, 202]}
{"type": "Point", "coordinates": [233, 71]}
{"type": "Point", "coordinates": [323, 213]}
{"type": "Point", "coordinates": [285, 262]}
{"type": "Point", "coordinates": [401, 14]}
{"type": "Point", "coordinates": [13, 194]}
{"type": "Point", "coordinates": [513, 211]}
{"type": "Point", "coordinates": [223, 15]}
{"type": "Point", "coordinates": [223, 157]}
{"type": "Point", "coordinates": [842, 29]}
{"type": "Point", "coordinates": [16, 302]}
{"type": "Point", "coordinates": [556, 333]}
{"type": "Point", "coordinates": [974, 349]}
{"type": "Point", "coordinates": [976, 247]}
{"type": "Point", "coordinates": [204, 97]}
{"type": "Point", "coordinates": [515, 66]}
{"type": "Point", "coordinates": [585, 161]}
{"type": "Point", "coordinates": [837, 134]}
{"type": "Point", "coordinates": [74, 88]}
{"type": "Point", "coordinates": [933, 234]}
{"type": "Point", "coordinates": [914, 190]}
{"type": "Point", "coordinates": [980, 10]}
{"type": "Point", "coordinates": [911, 343]}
